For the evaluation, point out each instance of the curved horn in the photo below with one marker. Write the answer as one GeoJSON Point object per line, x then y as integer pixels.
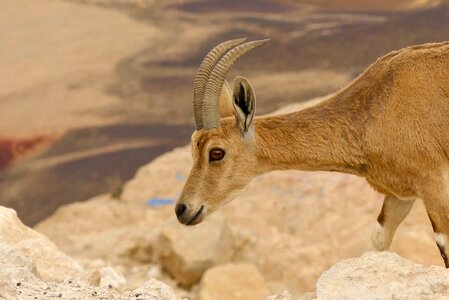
{"type": "Point", "coordinates": [211, 109]}
{"type": "Point", "coordinates": [202, 75]}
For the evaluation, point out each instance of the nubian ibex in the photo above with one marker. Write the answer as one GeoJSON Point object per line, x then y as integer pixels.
{"type": "Point", "coordinates": [390, 125]}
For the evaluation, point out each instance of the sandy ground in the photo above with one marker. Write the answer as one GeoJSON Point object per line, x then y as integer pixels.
{"type": "Point", "coordinates": [56, 59]}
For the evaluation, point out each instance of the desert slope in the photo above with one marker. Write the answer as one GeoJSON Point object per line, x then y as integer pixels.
{"type": "Point", "coordinates": [57, 59]}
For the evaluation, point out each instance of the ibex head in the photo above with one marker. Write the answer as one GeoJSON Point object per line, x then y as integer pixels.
{"type": "Point", "coordinates": [222, 148]}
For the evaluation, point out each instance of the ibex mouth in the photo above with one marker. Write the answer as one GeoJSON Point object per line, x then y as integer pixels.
{"type": "Point", "coordinates": [196, 218]}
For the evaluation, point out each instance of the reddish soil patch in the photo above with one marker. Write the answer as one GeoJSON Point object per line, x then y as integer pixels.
{"type": "Point", "coordinates": [12, 149]}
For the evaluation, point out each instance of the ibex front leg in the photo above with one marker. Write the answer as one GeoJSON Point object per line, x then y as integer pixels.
{"type": "Point", "coordinates": [392, 214]}
{"type": "Point", "coordinates": [438, 214]}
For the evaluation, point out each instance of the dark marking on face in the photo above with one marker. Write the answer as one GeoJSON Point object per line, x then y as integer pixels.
{"type": "Point", "coordinates": [202, 141]}
{"type": "Point", "coordinates": [200, 144]}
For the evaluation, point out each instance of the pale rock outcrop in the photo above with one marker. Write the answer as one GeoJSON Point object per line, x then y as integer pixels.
{"type": "Point", "coordinates": [31, 267]}
{"type": "Point", "coordinates": [238, 281]}
{"type": "Point", "coordinates": [127, 232]}
{"type": "Point", "coordinates": [18, 281]}
{"type": "Point", "coordinates": [187, 252]}
{"type": "Point", "coordinates": [377, 275]}
{"type": "Point", "coordinates": [50, 263]}
{"type": "Point", "coordinates": [382, 275]}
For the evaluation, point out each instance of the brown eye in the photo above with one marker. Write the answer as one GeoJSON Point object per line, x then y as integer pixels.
{"type": "Point", "coordinates": [216, 154]}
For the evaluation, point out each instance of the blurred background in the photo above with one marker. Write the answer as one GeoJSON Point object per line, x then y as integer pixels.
{"type": "Point", "coordinates": [91, 90]}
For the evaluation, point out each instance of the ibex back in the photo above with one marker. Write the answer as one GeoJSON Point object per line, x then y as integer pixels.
{"type": "Point", "coordinates": [390, 126]}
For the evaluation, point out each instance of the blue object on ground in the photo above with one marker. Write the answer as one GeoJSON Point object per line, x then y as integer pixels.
{"type": "Point", "coordinates": [180, 177]}
{"type": "Point", "coordinates": [157, 202]}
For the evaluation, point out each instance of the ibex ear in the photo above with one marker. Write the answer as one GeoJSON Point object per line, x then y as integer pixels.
{"type": "Point", "coordinates": [244, 102]}
{"type": "Point", "coordinates": [226, 109]}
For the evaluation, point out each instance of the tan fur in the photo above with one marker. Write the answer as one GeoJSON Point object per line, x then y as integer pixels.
{"type": "Point", "coordinates": [390, 125]}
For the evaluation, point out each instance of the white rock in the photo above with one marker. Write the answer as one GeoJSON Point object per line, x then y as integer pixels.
{"type": "Point", "coordinates": [110, 277]}
{"type": "Point", "coordinates": [31, 267]}
{"type": "Point", "coordinates": [382, 275]}
{"type": "Point", "coordinates": [51, 264]}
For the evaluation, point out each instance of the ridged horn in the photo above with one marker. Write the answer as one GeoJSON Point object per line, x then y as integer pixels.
{"type": "Point", "coordinates": [210, 105]}
{"type": "Point", "coordinates": [203, 73]}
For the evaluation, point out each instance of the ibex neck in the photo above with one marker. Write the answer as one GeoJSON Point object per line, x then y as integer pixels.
{"type": "Point", "coordinates": [319, 138]}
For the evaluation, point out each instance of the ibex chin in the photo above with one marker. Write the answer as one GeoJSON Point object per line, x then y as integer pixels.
{"type": "Point", "coordinates": [390, 126]}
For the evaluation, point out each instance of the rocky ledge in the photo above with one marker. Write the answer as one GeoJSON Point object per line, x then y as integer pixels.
{"type": "Point", "coordinates": [31, 267]}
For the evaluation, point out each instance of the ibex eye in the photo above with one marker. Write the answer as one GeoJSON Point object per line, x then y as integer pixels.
{"type": "Point", "coordinates": [216, 154]}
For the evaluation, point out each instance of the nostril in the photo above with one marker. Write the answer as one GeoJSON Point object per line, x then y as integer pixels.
{"type": "Point", "coordinates": [180, 209]}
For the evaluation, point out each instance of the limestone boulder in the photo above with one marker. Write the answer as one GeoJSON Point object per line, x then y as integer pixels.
{"type": "Point", "coordinates": [238, 281]}
{"type": "Point", "coordinates": [19, 280]}
{"type": "Point", "coordinates": [50, 263]}
{"type": "Point", "coordinates": [382, 275]}
{"type": "Point", "coordinates": [187, 252]}
{"type": "Point", "coordinates": [127, 232]}
{"type": "Point", "coordinates": [31, 267]}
